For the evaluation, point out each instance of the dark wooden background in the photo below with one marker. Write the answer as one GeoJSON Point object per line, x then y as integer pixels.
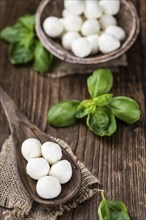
{"type": "Point", "coordinates": [118, 161]}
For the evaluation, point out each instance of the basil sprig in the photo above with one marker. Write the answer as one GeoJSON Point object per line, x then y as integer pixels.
{"type": "Point", "coordinates": [101, 109]}
{"type": "Point", "coordinates": [112, 210]}
{"type": "Point", "coordinates": [25, 46]}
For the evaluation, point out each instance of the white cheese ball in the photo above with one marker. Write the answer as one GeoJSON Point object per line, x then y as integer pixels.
{"type": "Point", "coordinates": [65, 13]}
{"type": "Point", "coordinates": [68, 38]}
{"type": "Point", "coordinates": [73, 23]}
{"type": "Point", "coordinates": [48, 187]}
{"type": "Point", "coordinates": [116, 31]}
{"type": "Point", "coordinates": [81, 47]}
{"type": "Point", "coordinates": [93, 39]}
{"type": "Point", "coordinates": [53, 27]}
{"type": "Point", "coordinates": [107, 20]}
{"type": "Point", "coordinates": [90, 27]}
{"type": "Point", "coordinates": [51, 152]}
{"type": "Point", "coordinates": [108, 43]}
{"type": "Point", "coordinates": [74, 6]}
{"type": "Point", "coordinates": [31, 148]}
{"type": "Point", "coordinates": [37, 168]}
{"type": "Point", "coordinates": [110, 7]}
{"type": "Point", "coordinates": [92, 9]}
{"type": "Point", "coordinates": [62, 170]}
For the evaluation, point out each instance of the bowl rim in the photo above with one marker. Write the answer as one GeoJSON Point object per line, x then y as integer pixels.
{"type": "Point", "coordinates": [70, 58]}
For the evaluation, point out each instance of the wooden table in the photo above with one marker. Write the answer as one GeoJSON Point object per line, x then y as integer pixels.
{"type": "Point", "coordinates": [118, 161]}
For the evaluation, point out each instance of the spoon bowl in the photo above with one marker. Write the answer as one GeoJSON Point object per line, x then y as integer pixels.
{"type": "Point", "coordinates": [21, 129]}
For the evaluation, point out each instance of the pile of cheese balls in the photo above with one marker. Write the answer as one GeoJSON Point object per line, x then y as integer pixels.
{"type": "Point", "coordinates": [45, 165]}
{"type": "Point", "coordinates": [87, 27]}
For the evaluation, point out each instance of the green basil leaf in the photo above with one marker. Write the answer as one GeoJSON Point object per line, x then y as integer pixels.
{"type": "Point", "coordinates": [100, 82]}
{"type": "Point", "coordinates": [102, 122]}
{"type": "Point", "coordinates": [42, 58]}
{"type": "Point", "coordinates": [103, 100]}
{"type": "Point", "coordinates": [20, 54]}
{"type": "Point", "coordinates": [63, 114]}
{"type": "Point", "coordinates": [85, 107]}
{"type": "Point", "coordinates": [10, 33]}
{"type": "Point", "coordinates": [28, 21]}
{"type": "Point", "coordinates": [125, 109]}
{"type": "Point", "coordinates": [26, 37]}
{"type": "Point", "coordinates": [112, 210]}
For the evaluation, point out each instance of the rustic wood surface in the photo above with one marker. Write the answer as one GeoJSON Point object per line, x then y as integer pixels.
{"type": "Point", "coordinates": [118, 161]}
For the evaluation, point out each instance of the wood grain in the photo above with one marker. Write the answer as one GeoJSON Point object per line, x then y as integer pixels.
{"type": "Point", "coordinates": [119, 161]}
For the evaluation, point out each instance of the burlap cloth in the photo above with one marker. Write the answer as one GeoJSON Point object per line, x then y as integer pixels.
{"type": "Point", "coordinates": [60, 68]}
{"type": "Point", "coordinates": [14, 197]}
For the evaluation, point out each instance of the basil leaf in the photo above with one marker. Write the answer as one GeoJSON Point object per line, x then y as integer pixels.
{"type": "Point", "coordinates": [42, 58]}
{"type": "Point", "coordinates": [103, 100]}
{"type": "Point", "coordinates": [20, 54]}
{"type": "Point", "coordinates": [26, 37]}
{"type": "Point", "coordinates": [112, 210]}
{"type": "Point", "coordinates": [125, 109]}
{"type": "Point", "coordinates": [28, 21]}
{"type": "Point", "coordinates": [85, 107]}
{"type": "Point", "coordinates": [10, 33]}
{"type": "Point", "coordinates": [63, 114]}
{"type": "Point", "coordinates": [100, 82]}
{"type": "Point", "coordinates": [102, 122]}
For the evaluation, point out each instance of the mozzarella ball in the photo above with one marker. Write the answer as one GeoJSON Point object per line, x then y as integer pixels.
{"type": "Point", "coordinates": [93, 39]}
{"type": "Point", "coordinates": [53, 27]}
{"type": "Point", "coordinates": [31, 148]}
{"type": "Point", "coordinates": [92, 9]}
{"type": "Point", "coordinates": [89, 27]}
{"type": "Point", "coordinates": [108, 43]}
{"type": "Point", "coordinates": [110, 7]}
{"type": "Point", "coordinates": [81, 47]}
{"type": "Point", "coordinates": [48, 187]}
{"type": "Point", "coordinates": [74, 6]}
{"type": "Point", "coordinates": [107, 20]}
{"type": "Point", "coordinates": [65, 13]}
{"type": "Point", "coordinates": [62, 170]}
{"type": "Point", "coordinates": [116, 31]}
{"type": "Point", "coordinates": [68, 38]}
{"type": "Point", "coordinates": [62, 20]}
{"type": "Point", "coordinates": [51, 152]}
{"type": "Point", "coordinates": [37, 168]}
{"type": "Point", "coordinates": [73, 23]}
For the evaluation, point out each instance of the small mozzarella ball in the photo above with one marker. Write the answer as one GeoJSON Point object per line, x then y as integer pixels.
{"type": "Point", "coordinates": [37, 168]}
{"type": "Point", "coordinates": [116, 31]}
{"type": "Point", "coordinates": [92, 9]}
{"type": "Point", "coordinates": [53, 27]}
{"type": "Point", "coordinates": [31, 148]}
{"type": "Point", "coordinates": [62, 170]}
{"type": "Point", "coordinates": [51, 152]}
{"type": "Point", "coordinates": [73, 23]}
{"type": "Point", "coordinates": [62, 20]}
{"type": "Point", "coordinates": [107, 20]}
{"type": "Point", "coordinates": [93, 39]}
{"type": "Point", "coordinates": [48, 187]}
{"type": "Point", "coordinates": [74, 6]}
{"type": "Point", "coordinates": [110, 7]}
{"type": "Point", "coordinates": [108, 43]}
{"type": "Point", "coordinates": [90, 27]}
{"type": "Point", "coordinates": [65, 13]}
{"type": "Point", "coordinates": [81, 47]}
{"type": "Point", "coordinates": [68, 38]}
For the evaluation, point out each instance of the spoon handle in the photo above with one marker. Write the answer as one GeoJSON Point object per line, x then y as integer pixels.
{"type": "Point", "coordinates": [11, 111]}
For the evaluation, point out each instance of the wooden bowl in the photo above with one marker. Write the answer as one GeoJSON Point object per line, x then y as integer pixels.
{"type": "Point", "coordinates": [127, 18]}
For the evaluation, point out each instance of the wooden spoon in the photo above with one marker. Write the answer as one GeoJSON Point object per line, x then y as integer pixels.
{"type": "Point", "coordinates": [21, 129]}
